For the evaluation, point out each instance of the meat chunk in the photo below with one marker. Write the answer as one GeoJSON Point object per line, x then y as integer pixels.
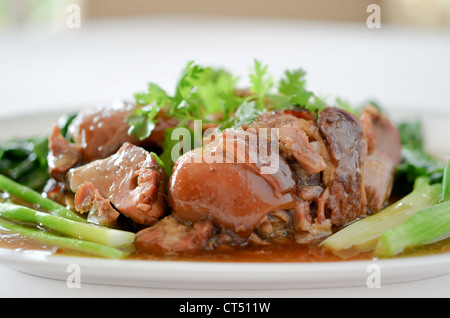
{"type": "Point", "coordinates": [170, 235]}
{"type": "Point", "coordinates": [294, 138]}
{"type": "Point", "coordinates": [233, 194]}
{"type": "Point", "coordinates": [62, 155]}
{"type": "Point", "coordinates": [345, 196]}
{"type": "Point", "coordinates": [330, 172]}
{"type": "Point", "coordinates": [384, 154]}
{"type": "Point", "coordinates": [130, 182]}
{"type": "Point", "coordinates": [102, 130]}
{"type": "Point", "coordinates": [378, 180]}
{"type": "Point", "coordinates": [383, 135]}
{"type": "Point", "coordinates": [275, 225]}
{"type": "Point", "coordinates": [320, 183]}
{"type": "Point", "coordinates": [89, 200]}
{"type": "Point", "coordinates": [99, 133]}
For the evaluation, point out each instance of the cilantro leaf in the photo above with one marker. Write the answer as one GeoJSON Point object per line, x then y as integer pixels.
{"type": "Point", "coordinates": [260, 83]}
{"type": "Point", "coordinates": [210, 95]}
{"type": "Point", "coordinates": [154, 95]}
{"type": "Point", "coordinates": [204, 91]}
{"type": "Point", "coordinates": [292, 82]}
{"type": "Point", "coordinates": [245, 114]}
{"type": "Point", "coordinates": [292, 92]}
{"type": "Point", "coordinates": [143, 121]}
{"type": "Point", "coordinates": [315, 104]}
{"type": "Point", "coordinates": [188, 82]}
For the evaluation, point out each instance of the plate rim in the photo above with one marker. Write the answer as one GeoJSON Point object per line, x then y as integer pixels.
{"type": "Point", "coordinates": [173, 274]}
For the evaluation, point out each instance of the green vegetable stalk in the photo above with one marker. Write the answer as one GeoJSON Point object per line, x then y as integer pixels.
{"type": "Point", "coordinates": [446, 184]}
{"type": "Point", "coordinates": [31, 196]}
{"type": "Point", "coordinates": [363, 235]}
{"type": "Point", "coordinates": [79, 230]}
{"type": "Point", "coordinates": [64, 242]}
{"type": "Point", "coordinates": [429, 225]}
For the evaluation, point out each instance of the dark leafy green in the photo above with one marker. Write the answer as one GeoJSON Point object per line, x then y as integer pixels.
{"type": "Point", "coordinates": [25, 160]}
{"type": "Point", "coordinates": [416, 162]}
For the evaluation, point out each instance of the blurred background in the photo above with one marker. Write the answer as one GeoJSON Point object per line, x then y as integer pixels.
{"type": "Point", "coordinates": [61, 54]}
{"type": "Point", "coordinates": [422, 13]}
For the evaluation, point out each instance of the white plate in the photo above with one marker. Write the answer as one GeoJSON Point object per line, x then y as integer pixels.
{"type": "Point", "coordinates": [203, 275]}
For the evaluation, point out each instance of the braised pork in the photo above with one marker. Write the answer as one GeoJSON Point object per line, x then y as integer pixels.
{"type": "Point", "coordinates": [170, 235]}
{"type": "Point", "coordinates": [332, 171]}
{"type": "Point", "coordinates": [234, 195]}
{"type": "Point", "coordinates": [383, 135]}
{"type": "Point", "coordinates": [62, 155]}
{"type": "Point", "coordinates": [129, 182]}
{"type": "Point", "coordinates": [98, 133]}
{"type": "Point", "coordinates": [101, 131]}
{"type": "Point", "coordinates": [384, 154]}
{"type": "Point", "coordinates": [344, 197]}
{"type": "Point", "coordinates": [294, 139]}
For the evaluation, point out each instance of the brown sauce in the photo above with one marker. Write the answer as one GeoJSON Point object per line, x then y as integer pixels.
{"type": "Point", "coordinates": [17, 242]}
{"type": "Point", "coordinates": [280, 252]}
{"type": "Point", "coordinates": [286, 252]}
{"type": "Point", "coordinates": [273, 253]}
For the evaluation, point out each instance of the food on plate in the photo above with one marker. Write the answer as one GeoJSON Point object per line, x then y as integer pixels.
{"type": "Point", "coordinates": [268, 172]}
{"type": "Point", "coordinates": [129, 182]}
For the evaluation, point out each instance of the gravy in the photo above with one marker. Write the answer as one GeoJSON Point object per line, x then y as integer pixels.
{"type": "Point", "coordinates": [275, 253]}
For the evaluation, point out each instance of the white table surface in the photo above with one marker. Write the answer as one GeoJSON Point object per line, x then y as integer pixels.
{"type": "Point", "coordinates": [112, 59]}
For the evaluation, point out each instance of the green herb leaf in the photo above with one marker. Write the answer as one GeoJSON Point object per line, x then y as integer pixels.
{"type": "Point", "coordinates": [210, 95]}
{"type": "Point", "coordinates": [154, 95]}
{"type": "Point", "coordinates": [260, 83]}
{"type": "Point", "coordinates": [246, 114]}
{"type": "Point", "coordinates": [293, 87]}
{"type": "Point", "coordinates": [416, 162]}
{"type": "Point", "coordinates": [292, 82]}
{"type": "Point", "coordinates": [411, 134]}
{"type": "Point", "coordinates": [142, 121]}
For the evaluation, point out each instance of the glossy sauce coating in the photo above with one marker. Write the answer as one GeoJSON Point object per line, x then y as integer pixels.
{"type": "Point", "coordinates": [200, 190]}
{"type": "Point", "coordinates": [275, 253]}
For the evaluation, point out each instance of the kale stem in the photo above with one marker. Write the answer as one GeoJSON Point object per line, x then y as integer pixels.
{"type": "Point", "coordinates": [87, 247]}
{"type": "Point", "coordinates": [79, 230]}
{"type": "Point", "coordinates": [33, 197]}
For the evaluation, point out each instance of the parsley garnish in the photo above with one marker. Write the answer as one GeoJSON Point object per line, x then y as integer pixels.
{"type": "Point", "coordinates": [261, 84]}
{"type": "Point", "coordinates": [210, 94]}
{"type": "Point", "coordinates": [245, 114]}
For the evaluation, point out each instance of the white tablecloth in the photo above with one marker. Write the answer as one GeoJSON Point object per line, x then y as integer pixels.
{"type": "Point", "coordinates": [112, 59]}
